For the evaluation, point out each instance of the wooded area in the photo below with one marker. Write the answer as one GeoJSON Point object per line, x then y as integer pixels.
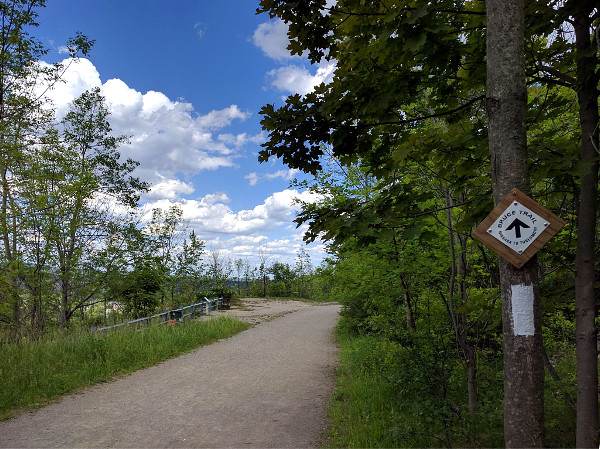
{"type": "Point", "coordinates": [435, 112]}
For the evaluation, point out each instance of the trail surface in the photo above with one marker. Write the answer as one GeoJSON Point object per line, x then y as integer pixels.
{"type": "Point", "coordinates": [268, 386]}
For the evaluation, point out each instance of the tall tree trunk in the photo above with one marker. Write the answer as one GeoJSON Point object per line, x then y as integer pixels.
{"type": "Point", "coordinates": [410, 318]}
{"type": "Point", "coordinates": [471, 359]}
{"type": "Point", "coordinates": [64, 304]}
{"type": "Point", "coordinates": [458, 276]}
{"type": "Point", "coordinates": [6, 226]}
{"type": "Point", "coordinates": [506, 102]}
{"type": "Point", "coordinates": [585, 298]}
{"type": "Point", "coordinates": [462, 332]}
{"type": "Point", "coordinates": [408, 306]}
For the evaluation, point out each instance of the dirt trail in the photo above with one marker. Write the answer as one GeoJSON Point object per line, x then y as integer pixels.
{"type": "Point", "coordinates": [266, 387]}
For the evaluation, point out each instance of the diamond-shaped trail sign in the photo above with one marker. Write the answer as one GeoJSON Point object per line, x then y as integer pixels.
{"type": "Point", "coordinates": [517, 228]}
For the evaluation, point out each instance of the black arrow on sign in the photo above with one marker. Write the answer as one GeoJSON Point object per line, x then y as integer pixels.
{"type": "Point", "coordinates": [517, 224]}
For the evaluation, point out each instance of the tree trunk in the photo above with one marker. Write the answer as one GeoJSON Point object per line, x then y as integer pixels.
{"type": "Point", "coordinates": [64, 304]}
{"type": "Point", "coordinates": [458, 272]}
{"type": "Point", "coordinates": [506, 102]}
{"type": "Point", "coordinates": [471, 378]}
{"type": "Point", "coordinates": [410, 318]}
{"type": "Point", "coordinates": [585, 299]}
{"type": "Point", "coordinates": [462, 332]}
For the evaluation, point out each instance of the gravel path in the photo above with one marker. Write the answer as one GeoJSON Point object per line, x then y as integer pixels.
{"type": "Point", "coordinates": [268, 386]}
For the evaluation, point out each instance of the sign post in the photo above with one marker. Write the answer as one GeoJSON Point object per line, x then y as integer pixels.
{"type": "Point", "coordinates": [517, 228]}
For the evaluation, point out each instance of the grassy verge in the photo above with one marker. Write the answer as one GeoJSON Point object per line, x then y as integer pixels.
{"type": "Point", "coordinates": [362, 410]}
{"type": "Point", "coordinates": [35, 373]}
{"type": "Point", "coordinates": [393, 395]}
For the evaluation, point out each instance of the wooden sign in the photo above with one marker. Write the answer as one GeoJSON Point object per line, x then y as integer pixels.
{"type": "Point", "coordinates": [517, 228]}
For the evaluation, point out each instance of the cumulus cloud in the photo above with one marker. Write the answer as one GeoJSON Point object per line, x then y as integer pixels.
{"type": "Point", "coordinates": [172, 141]}
{"type": "Point", "coordinates": [252, 178]}
{"type": "Point", "coordinates": [221, 118]}
{"type": "Point", "coordinates": [80, 76]}
{"type": "Point", "coordinates": [296, 79]}
{"type": "Point", "coordinates": [271, 38]}
{"type": "Point", "coordinates": [211, 214]}
{"type": "Point", "coordinates": [167, 137]}
{"type": "Point", "coordinates": [287, 175]}
{"type": "Point", "coordinates": [240, 234]}
{"type": "Point", "coordinates": [168, 189]}
{"type": "Point", "coordinates": [213, 198]}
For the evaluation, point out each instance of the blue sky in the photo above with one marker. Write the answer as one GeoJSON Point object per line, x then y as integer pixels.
{"type": "Point", "coordinates": [186, 79]}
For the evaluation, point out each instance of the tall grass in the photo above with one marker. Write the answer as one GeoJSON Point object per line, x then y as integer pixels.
{"type": "Point", "coordinates": [34, 373]}
{"type": "Point", "coordinates": [394, 395]}
{"type": "Point", "coordinates": [414, 395]}
{"type": "Point", "coordinates": [363, 408]}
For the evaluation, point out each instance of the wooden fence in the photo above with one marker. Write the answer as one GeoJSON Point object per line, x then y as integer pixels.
{"type": "Point", "coordinates": [176, 315]}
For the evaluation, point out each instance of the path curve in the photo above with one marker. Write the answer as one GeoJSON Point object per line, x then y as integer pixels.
{"type": "Point", "coordinates": [268, 386]}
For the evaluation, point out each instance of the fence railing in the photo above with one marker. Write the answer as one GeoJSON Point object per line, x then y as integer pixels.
{"type": "Point", "coordinates": [175, 315]}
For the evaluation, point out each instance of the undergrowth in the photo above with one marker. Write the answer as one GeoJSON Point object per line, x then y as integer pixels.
{"type": "Point", "coordinates": [390, 394]}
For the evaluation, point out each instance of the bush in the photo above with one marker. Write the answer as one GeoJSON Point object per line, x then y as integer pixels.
{"type": "Point", "coordinates": [278, 289]}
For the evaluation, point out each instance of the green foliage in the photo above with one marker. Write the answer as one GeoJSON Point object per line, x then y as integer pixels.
{"type": "Point", "coordinates": [394, 395]}
{"type": "Point", "coordinates": [396, 64]}
{"type": "Point", "coordinates": [35, 373]}
{"type": "Point", "coordinates": [278, 289]}
{"type": "Point", "coordinates": [411, 394]}
{"type": "Point", "coordinates": [140, 289]}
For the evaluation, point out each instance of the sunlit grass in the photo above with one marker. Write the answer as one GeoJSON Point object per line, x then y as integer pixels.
{"type": "Point", "coordinates": [389, 395]}
{"type": "Point", "coordinates": [362, 408]}
{"type": "Point", "coordinates": [35, 373]}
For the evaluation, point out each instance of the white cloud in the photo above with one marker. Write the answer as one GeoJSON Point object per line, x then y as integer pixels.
{"type": "Point", "coordinates": [212, 216]}
{"type": "Point", "coordinates": [172, 141]}
{"type": "Point", "coordinates": [199, 29]}
{"type": "Point", "coordinates": [248, 240]}
{"type": "Point", "coordinates": [80, 76]}
{"type": "Point", "coordinates": [218, 197]}
{"type": "Point", "coordinates": [167, 137]}
{"type": "Point", "coordinates": [287, 175]}
{"type": "Point", "coordinates": [271, 38]}
{"type": "Point", "coordinates": [296, 79]}
{"type": "Point", "coordinates": [252, 178]}
{"type": "Point", "coordinates": [168, 189]}
{"type": "Point", "coordinates": [221, 118]}
{"type": "Point", "coordinates": [154, 101]}
{"type": "Point", "coordinates": [240, 234]}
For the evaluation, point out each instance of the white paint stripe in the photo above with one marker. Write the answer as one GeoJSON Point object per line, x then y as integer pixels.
{"type": "Point", "coordinates": [522, 309]}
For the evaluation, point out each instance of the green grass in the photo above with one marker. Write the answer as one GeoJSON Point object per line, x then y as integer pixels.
{"type": "Point", "coordinates": [34, 373]}
{"type": "Point", "coordinates": [362, 410]}
{"type": "Point", "coordinates": [389, 395]}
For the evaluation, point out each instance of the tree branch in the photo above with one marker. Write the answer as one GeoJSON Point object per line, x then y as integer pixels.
{"type": "Point", "coordinates": [425, 117]}
{"type": "Point", "coordinates": [557, 73]}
